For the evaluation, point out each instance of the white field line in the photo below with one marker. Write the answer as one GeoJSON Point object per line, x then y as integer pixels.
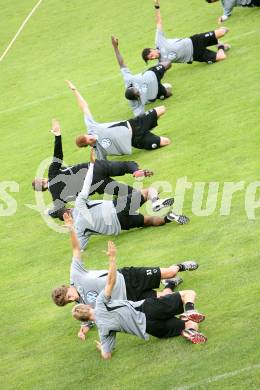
{"type": "Point", "coordinates": [20, 30]}
{"type": "Point", "coordinates": [217, 378]}
{"type": "Point", "coordinates": [51, 97]}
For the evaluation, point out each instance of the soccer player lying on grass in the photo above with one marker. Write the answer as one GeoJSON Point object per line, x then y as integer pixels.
{"type": "Point", "coordinates": [65, 183]}
{"type": "Point", "coordinates": [133, 283]}
{"type": "Point", "coordinates": [143, 88]}
{"type": "Point", "coordinates": [186, 50]}
{"type": "Point", "coordinates": [154, 316]}
{"type": "Point", "coordinates": [109, 217]}
{"type": "Point", "coordinates": [228, 6]}
{"type": "Point", "coordinates": [117, 138]}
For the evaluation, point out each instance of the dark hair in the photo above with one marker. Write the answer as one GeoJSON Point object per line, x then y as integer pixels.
{"type": "Point", "coordinates": [58, 213]}
{"type": "Point", "coordinates": [59, 295]}
{"type": "Point", "coordinates": [130, 93]}
{"type": "Point", "coordinates": [145, 54]}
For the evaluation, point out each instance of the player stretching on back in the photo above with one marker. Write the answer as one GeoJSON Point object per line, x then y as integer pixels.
{"type": "Point", "coordinates": [154, 316]}
{"type": "Point", "coordinates": [186, 50]}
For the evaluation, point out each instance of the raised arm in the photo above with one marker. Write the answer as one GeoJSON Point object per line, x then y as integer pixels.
{"type": "Point", "coordinates": [111, 278]}
{"type": "Point", "coordinates": [117, 53]}
{"type": "Point", "coordinates": [158, 15]}
{"type": "Point", "coordinates": [56, 130]}
{"type": "Point", "coordinates": [58, 153]}
{"type": "Point", "coordinates": [73, 236]}
{"type": "Point", "coordinates": [81, 101]}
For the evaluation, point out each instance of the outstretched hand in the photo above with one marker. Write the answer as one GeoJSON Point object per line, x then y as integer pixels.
{"type": "Point", "coordinates": [70, 85]}
{"type": "Point", "coordinates": [92, 155]}
{"type": "Point", "coordinates": [111, 249]}
{"type": "Point", "coordinates": [55, 127]}
{"type": "Point", "coordinates": [114, 41]}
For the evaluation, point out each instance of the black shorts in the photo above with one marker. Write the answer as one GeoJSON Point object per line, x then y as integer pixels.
{"type": "Point", "coordinates": [141, 281]}
{"type": "Point", "coordinates": [126, 207]}
{"type": "Point", "coordinates": [254, 3]}
{"type": "Point", "coordinates": [159, 71]}
{"type": "Point", "coordinates": [200, 43]}
{"type": "Point", "coordinates": [160, 315]}
{"type": "Point", "coordinates": [141, 125]}
{"type": "Point", "coordinates": [101, 181]}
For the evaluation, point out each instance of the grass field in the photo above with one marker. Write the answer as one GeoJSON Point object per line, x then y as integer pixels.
{"type": "Point", "coordinates": [214, 123]}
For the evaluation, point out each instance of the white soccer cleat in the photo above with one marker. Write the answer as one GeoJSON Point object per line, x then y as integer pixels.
{"type": "Point", "coordinates": [162, 203]}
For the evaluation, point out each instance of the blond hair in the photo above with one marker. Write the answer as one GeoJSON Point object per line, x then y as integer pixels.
{"type": "Point", "coordinates": [81, 312]}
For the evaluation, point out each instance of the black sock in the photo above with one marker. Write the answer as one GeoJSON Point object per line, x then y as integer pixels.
{"type": "Point", "coordinates": [189, 306]}
{"type": "Point", "coordinates": [166, 220]}
{"type": "Point", "coordinates": [181, 267]}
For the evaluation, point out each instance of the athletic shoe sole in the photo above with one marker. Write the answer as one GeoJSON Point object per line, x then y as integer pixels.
{"type": "Point", "coordinates": [195, 317]}
{"type": "Point", "coordinates": [195, 338]}
{"type": "Point", "coordinates": [166, 203]}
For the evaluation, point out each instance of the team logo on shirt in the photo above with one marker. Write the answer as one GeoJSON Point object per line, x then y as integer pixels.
{"type": "Point", "coordinates": [105, 143]}
{"type": "Point", "coordinates": [91, 296]}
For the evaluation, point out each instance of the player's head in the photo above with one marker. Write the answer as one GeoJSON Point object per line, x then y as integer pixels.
{"type": "Point", "coordinates": [58, 213]}
{"type": "Point", "coordinates": [40, 184]}
{"type": "Point", "coordinates": [82, 312]}
{"type": "Point", "coordinates": [64, 294]}
{"type": "Point", "coordinates": [132, 93]}
{"type": "Point", "coordinates": [84, 140]}
{"type": "Point", "coordinates": [211, 1]}
{"type": "Point", "coordinates": [150, 54]}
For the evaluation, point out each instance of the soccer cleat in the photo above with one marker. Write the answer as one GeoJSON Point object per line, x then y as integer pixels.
{"type": "Point", "coordinates": [181, 219]}
{"type": "Point", "coordinates": [143, 173]}
{"type": "Point", "coordinates": [192, 315]}
{"type": "Point", "coordinates": [194, 336]}
{"type": "Point", "coordinates": [172, 283]}
{"type": "Point", "coordinates": [189, 265]}
{"type": "Point", "coordinates": [160, 204]}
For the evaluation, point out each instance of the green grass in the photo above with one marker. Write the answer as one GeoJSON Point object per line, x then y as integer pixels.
{"type": "Point", "coordinates": [213, 121]}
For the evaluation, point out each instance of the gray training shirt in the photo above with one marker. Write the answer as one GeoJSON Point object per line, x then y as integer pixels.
{"type": "Point", "coordinates": [90, 283]}
{"type": "Point", "coordinates": [228, 5]}
{"type": "Point", "coordinates": [111, 141]}
{"type": "Point", "coordinates": [147, 85]}
{"type": "Point", "coordinates": [174, 50]}
{"type": "Point", "coordinates": [93, 216]}
{"type": "Point", "coordinates": [113, 316]}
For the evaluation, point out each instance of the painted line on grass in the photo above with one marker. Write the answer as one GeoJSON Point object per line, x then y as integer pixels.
{"type": "Point", "coordinates": [51, 97]}
{"type": "Point", "coordinates": [217, 378]}
{"type": "Point", "coordinates": [20, 30]}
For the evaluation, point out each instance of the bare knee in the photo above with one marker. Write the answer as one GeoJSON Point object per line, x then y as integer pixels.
{"type": "Point", "coordinates": [221, 55]}
{"type": "Point", "coordinates": [188, 295]}
{"type": "Point", "coordinates": [153, 221]}
{"type": "Point", "coordinates": [160, 110]}
{"type": "Point", "coordinates": [144, 192]}
{"type": "Point", "coordinates": [220, 32]}
{"type": "Point", "coordinates": [164, 141]}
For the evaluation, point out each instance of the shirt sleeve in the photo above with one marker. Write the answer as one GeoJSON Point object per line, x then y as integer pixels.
{"type": "Point", "coordinates": [137, 107]}
{"type": "Point", "coordinates": [127, 75]}
{"type": "Point", "coordinates": [57, 157]}
{"type": "Point", "coordinates": [108, 342]}
{"type": "Point", "coordinates": [228, 5]}
{"type": "Point", "coordinates": [84, 193]}
{"type": "Point", "coordinates": [158, 35]}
